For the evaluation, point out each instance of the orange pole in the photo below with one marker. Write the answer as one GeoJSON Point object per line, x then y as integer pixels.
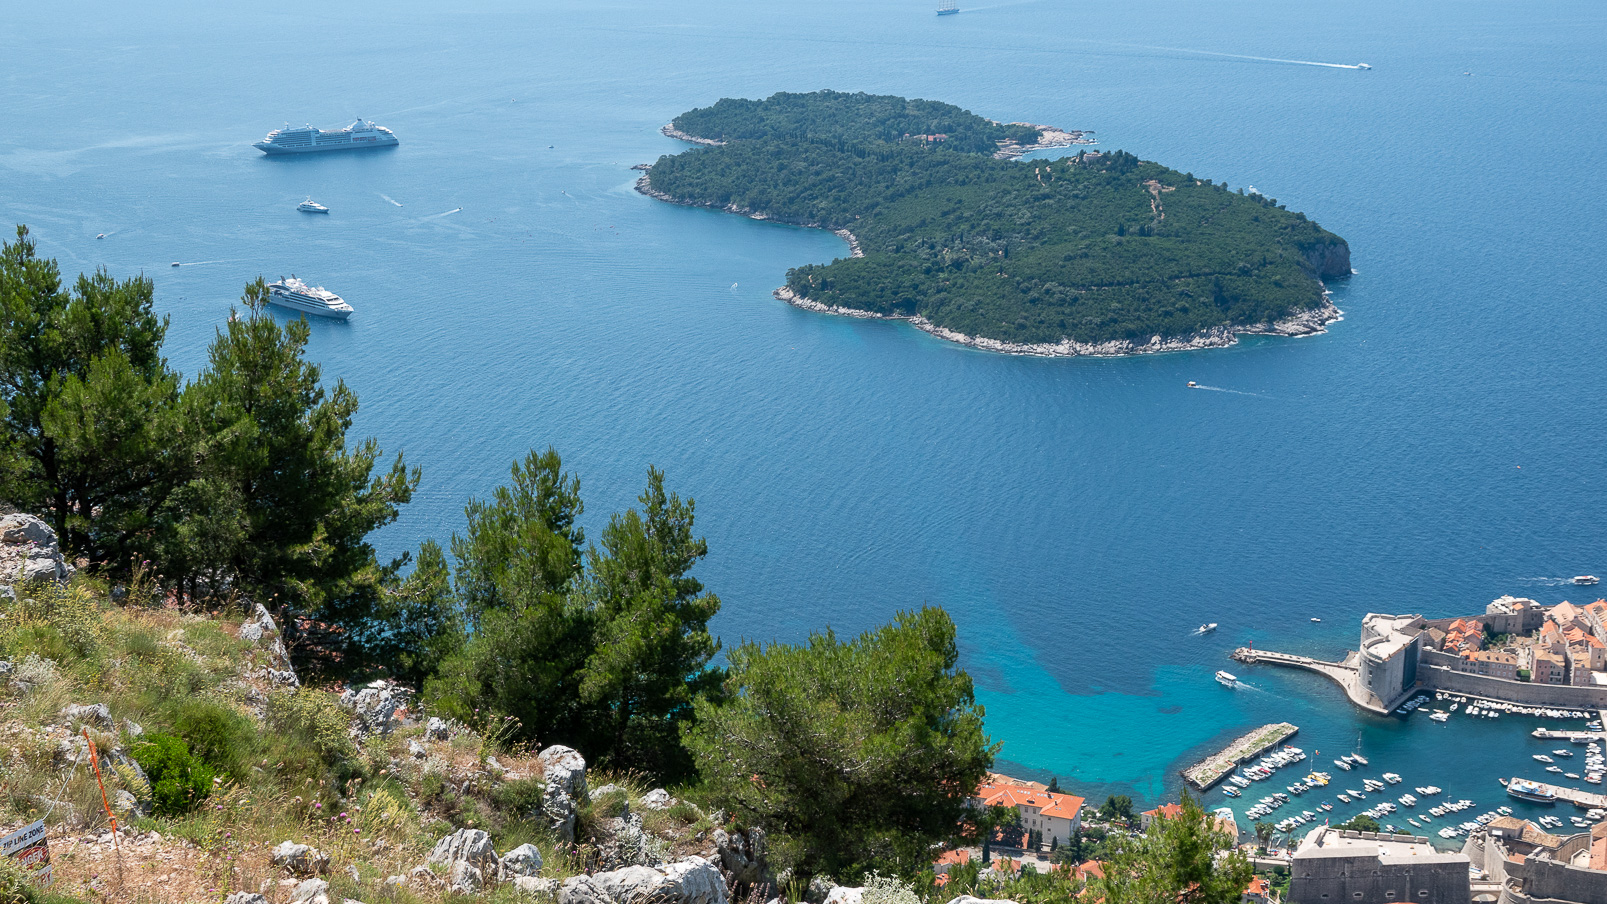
{"type": "Point", "coordinates": [117, 845]}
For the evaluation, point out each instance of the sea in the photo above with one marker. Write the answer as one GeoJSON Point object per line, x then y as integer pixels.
{"type": "Point", "coordinates": [1442, 445]}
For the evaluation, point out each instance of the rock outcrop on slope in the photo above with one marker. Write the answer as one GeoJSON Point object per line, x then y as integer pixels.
{"type": "Point", "coordinates": [29, 552]}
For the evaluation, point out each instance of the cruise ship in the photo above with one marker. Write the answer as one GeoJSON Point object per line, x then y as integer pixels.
{"type": "Point", "coordinates": [298, 296]}
{"type": "Point", "coordinates": [306, 140]}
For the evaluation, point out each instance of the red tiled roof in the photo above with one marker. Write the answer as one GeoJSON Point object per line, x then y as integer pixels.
{"type": "Point", "coordinates": [1064, 806]}
{"type": "Point", "coordinates": [1166, 810]}
{"type": "Point", "coordinates": [1091, 868]}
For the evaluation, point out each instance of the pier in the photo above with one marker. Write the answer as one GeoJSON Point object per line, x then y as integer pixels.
{"type": "Point", "coordinates": [1211, 770]}
{"type": "Point", "coordinates": [1584, 799]}
{"type": "Point", "coordinates": [1576, 737]}
{"type": "Point", "coordinates": [1346, 674]}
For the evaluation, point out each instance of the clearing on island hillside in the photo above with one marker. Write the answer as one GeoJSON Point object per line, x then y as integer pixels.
{"type": "Point", "coordinates": [1097, 253]}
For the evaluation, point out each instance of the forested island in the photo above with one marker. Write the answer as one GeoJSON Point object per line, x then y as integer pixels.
{"type": "Point", "coordinates": [1097, 253]}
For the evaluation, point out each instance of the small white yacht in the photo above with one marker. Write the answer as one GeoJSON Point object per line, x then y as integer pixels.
{"type": "Point", "coordinates": [1227, 679]}
{"type": "Point", "coordinates": [298, 296]}
{"type": "Point", "coordinates": [1585, 580]}
{"type": "Point", "coordinates": [1206, 628]}
{"type": "Point", "coordinates": [311, 206]}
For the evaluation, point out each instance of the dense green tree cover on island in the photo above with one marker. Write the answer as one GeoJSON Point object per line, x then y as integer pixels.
{"type": "Point", "coordinates": [836, 117]}
{"type": "Point", "coordinates": [1091, 248]}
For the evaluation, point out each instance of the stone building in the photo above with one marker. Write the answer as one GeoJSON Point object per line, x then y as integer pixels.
{"type": "Point", "coordinates": [1387, 663]}
{"type": "Point", "coordinates": [1527, 865]}
{"type": "Point", "coordinates": [1341, 867]}
{"type": "Point", "coordinates": [1514, 615]}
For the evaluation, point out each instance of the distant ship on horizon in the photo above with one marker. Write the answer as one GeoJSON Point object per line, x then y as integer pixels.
{"type": "Point", "coordinates": [305, 140]}
{"type": "Point", "coordinates": [947, 7]}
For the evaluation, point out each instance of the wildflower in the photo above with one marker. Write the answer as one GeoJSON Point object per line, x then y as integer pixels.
{"type": "Point", "coordinates": [317, 805]}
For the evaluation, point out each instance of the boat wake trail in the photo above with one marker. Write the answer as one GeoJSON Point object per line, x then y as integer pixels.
{"type": "Point", "coordinates": [1256, 395]}
{"type": "Point", "coordinates": [1241, 56]}
{"type": "Point", "coordinates": [391, 199]}
{"type": "Point", "coordinates": [440, 215]}
{"type": "Point", "coordinates": [232, 260]}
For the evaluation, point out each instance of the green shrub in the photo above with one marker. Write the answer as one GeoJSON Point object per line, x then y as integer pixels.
{"type": "Point", "coordinates": [179, 781]}
{"type": "Point", "coordinates": [217, 733]}
{"type": "Point", "coordinates": [518, 798]}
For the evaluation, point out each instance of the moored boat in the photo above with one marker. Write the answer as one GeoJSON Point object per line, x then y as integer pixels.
{"type": "Point", "coordinates": [296, 295]}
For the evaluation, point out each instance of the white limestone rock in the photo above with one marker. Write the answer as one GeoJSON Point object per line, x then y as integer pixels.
{"type": "Point", "coordinates": [843, 894]}
{"type": "Point", "coordinates": [466, 878]}
{"type": "Point", "coordinates": [97, 715]}
{"type": "Point", "coordinates": [312, 891]}
{"type": "Point", "coordinates": [245, 897]}
{"type": "Point", "coordinates": [564, 771]}
{"type": "Point", "coordinates": [300, 860]}
{"type": "Point", "coordinates": [538, 888]}
{"type": "Point", "coordinates": [374, 707]}
{"type": "Point", "coordinates": [470, 846]}
{"type": "Point", "coordinates": [690, 881]}
{"type": "Point", "coordinates": [522, 861]}
{"type": "Point", "coordinates": [657, 799]}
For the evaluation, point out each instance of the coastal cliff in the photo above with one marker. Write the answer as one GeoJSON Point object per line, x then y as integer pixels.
{"type": "Point", "coordinates": [1329, 260]}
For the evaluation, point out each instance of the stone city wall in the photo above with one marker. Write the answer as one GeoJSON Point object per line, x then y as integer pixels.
{"type": "Point", "coordinates": [1439, 676]}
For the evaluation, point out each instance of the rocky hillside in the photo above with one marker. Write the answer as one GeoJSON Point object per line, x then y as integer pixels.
{"type": "Point", "coordinates": [232, 781]}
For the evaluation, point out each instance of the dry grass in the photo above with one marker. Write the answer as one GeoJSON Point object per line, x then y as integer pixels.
{"type": "Point", "coordinates": [378, 810]}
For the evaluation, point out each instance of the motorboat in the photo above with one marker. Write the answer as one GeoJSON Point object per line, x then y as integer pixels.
{"type": "Point", "coordinates": [101, 236]}
{"type": "Point", "coordinates": [311, 206]}
{"type": "Point", "coordinates": [1543, 758]}
{"type": "Point", "coordinates": [1562, 752]}
{"type": "Point", "coordinates": [1226, 679]}
{"type": "Point", "coordinates": [1206, 628]}
{"type": "Point", "coordinates": [1316, 621]}
{"type": "Point", "coordinates": [1392, 778]}
{"type": "Point", "coordinates": [1585, 580]}
{"type": "Point", "coordinates": [1556, 769]}
{"type": "Point", "coordinates": [1438, 716]}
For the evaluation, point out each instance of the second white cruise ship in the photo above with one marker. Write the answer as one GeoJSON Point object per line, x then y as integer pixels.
{"type": "Point", "coordinates": [298, 296]}
{"type": "Point", "coordinates": [306, 140]}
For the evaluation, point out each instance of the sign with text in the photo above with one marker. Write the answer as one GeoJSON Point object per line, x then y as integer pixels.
{"type": "Point", "coordinates": [28, 846]}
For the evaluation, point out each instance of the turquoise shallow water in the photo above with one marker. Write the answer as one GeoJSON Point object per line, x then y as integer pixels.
{"type": "Point", "coordinates": [1442, 445]}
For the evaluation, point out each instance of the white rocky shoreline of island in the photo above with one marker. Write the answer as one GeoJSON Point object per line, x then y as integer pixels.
{"type": "Point", "coordinates": [1049, 138]}
{"type": "Point", "coordinates": [1306, 323]}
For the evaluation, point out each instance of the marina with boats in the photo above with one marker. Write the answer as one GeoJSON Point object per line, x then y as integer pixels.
{"type": "Point", "coordinates": [1357, 785]}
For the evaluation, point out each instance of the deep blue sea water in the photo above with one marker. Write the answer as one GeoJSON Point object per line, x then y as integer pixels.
{"type": "Point", "coordinates": [1444, 444]}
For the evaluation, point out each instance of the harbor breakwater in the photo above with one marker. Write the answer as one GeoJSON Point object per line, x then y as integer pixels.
{"type": "Point", "coordinates": [1212, 769]}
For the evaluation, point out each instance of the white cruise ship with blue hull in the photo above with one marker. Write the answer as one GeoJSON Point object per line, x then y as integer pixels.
{"type": "Point", "coordinates": [360, 135]}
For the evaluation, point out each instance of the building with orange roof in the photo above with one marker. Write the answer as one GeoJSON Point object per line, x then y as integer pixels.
{"type": "Point", "coordinates": [1259, 891]}
{"type": "Point", "coordinates": [1054, 816]}
{"type": "Point", "coordinates": [1090, 869]}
